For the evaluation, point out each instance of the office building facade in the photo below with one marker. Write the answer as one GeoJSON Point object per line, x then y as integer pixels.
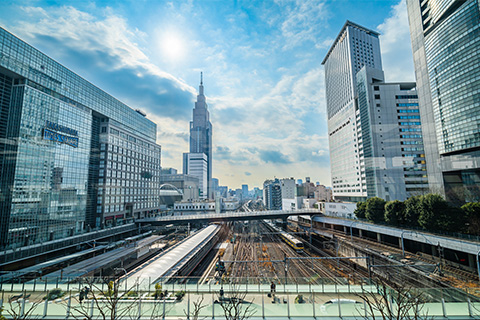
{"type": "Point", "coordinates": [445, 38]}
{"type": "Point", "coordinates": [354, 47]}
{"type": "Point", "coordinates": [376, 145]}
{"type": "Point", "coordinates": [196, 164]}
{"type": "Point", "coordinates": [186, 183]}
{"type": "Point", "coordinates": [391, 138]}
{"type": "Point", "coordinates": [72, 158]}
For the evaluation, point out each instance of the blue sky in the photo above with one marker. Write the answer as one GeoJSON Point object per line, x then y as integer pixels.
{"type": "Point", "coordinates": [261, 62]}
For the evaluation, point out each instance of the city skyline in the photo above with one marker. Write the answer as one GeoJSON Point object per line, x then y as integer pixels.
{"type": "Point", "coordinates": [265, 86]}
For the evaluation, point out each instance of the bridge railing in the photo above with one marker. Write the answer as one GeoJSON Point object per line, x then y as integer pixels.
{"type": "Point", "coordinates": [234, 214]}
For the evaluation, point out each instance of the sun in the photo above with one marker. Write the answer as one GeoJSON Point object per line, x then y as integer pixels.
{"type": "Point", "coordinates": [173, 46]}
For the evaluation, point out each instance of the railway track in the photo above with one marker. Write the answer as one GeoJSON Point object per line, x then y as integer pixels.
{"type": "Point", "coordinates": [450, 276]}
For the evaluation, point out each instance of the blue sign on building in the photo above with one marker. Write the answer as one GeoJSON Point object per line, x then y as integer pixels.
{"type": "Point", "coordinates": [58, 137]}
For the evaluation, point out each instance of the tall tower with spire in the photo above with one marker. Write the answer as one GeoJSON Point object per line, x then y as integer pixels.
{"type": "Point", "coordinates": [201, 135]}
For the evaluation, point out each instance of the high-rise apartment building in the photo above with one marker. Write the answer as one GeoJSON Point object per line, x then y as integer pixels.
{"type": "Point", "coordinates": [72, 157]}
{"type": "Point", "coordinates": [272, 194]}
{"type": "Point", "coordinates": [201, 136]}
{"type": "Point", "coordinates": [446, 45]}
{"type": "Point", "coordinates": [376, 146]}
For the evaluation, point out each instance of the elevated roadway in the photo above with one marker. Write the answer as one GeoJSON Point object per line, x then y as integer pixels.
{"type": "Point", "coordinates": [227, 216]}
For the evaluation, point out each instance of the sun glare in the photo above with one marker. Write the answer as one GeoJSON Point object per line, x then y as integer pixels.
{"type": "Point", "coordinates": [173, 46]}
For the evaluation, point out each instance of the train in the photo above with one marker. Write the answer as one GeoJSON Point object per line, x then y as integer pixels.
{"type": "Point", "coordinates": [293, 242]}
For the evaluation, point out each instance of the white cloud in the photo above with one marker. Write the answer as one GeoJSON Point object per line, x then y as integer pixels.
{"type": "Point", "coordinates": [396, 45]}
{"type": "Point", "coordinates": [87, 33]}
{"type": "Point", "coordinates": [302, 22]}
{"type": "Point", "coordinates": [250, 113]}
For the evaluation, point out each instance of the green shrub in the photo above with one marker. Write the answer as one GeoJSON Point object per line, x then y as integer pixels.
{"type": "Point", "coordinates": [179, 295]}
{"type": "Point", "coordinates": [54, 294]}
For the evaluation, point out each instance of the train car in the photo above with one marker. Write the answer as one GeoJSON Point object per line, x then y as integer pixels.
{"type": "Point", "coordinates": [293, 242]}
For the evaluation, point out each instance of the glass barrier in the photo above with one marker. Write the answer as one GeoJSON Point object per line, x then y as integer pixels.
{"type": "Point", "coordinates": [92, 297]}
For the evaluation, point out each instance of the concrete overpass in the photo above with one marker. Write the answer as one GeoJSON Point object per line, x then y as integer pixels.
{"type": "Point", "coordinates": [226, 216]}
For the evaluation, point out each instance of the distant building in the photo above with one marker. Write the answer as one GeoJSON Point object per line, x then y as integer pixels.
{"type": "Point", "coordinates": [294, 203]}
{"type": "Point", "coordinates": [272, 194]}
{"type": "Point", "coordinates": [239, 194]}
{"type": "Point", "coordinates": [206, 206]}
{"type": "Point", "coordinates": [338, 209]}
{"type": "Point", "coordinates": [201, 137]}
{"type": "Point", "coordinates": [288, 188]}
{"type": "Point", "coordinates": [322, 193]}
{"type": "Point", "coordinates": [166, 171]}
{"type": "Point", "coordinates": [245, 191]}
{"type": "Point", "coordinates": [257, 193]}
{"type": "Point", "coordinates": [195, 164]}
{"type": "Point", "coordinates": [188, 184]}
{"type": "Point", "coordinates": [223, 191]}
{"type": "Point", "coordinates": [215, 186]}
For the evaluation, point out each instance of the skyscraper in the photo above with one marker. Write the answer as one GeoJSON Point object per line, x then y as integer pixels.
{"type": "Point", "coordinates": [201, 134]}
{"type": "Point", "coordinates": [376, 146]}
{"type": "Point", "coordinates": [354, 47]}
{"type": "Point", "coordinates": [245, 191]}
{"type": "Point", "coordinates": [446, 45]}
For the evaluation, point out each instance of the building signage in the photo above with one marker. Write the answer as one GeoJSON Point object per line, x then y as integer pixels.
{"type": "Point", "coordinates": [61, 134]}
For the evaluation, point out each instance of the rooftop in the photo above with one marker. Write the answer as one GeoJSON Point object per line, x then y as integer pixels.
{"type": "Point", "coordinates": [347, 24]}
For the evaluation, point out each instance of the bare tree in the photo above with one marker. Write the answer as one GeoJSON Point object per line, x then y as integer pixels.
{"type": "Point", "coordinates": [110, 302]}
{"type": "Point", "coordinates": [234, 305]}
{"type": "Point", "coordinates": [393, 301]}
{"type": "Point", "coordinates": [20, 309]}
{"type": "Point", "coordinates": [197, 308]}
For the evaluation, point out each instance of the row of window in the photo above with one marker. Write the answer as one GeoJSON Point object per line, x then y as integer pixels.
{"type": "Point", "coordinates": [406, 96]}
{"type": "Point", "coordinates": [407, 110]}
{"type": "Point", "coordinates": [408, 117]}
{"type": "Point", "coordinates": [410, 129]}
{"type": "Point", "coordinates": [410, 136]}
{"type": "Point", "coordinates": [412, 142]}
{"type": "Point", "coordinates": [407, 105]}
{"type": "Point", "coordinates": [409, 123]}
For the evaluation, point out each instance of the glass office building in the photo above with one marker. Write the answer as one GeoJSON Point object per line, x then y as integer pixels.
{"type": "Point", "coordinates": [446, 46]}
{"type": "Point", "coordinates": [72, 157]}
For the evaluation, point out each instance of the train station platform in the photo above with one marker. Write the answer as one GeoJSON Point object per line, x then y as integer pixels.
{"type": "Point", "coordinates": [176, 259]}
{"type": "Point", "coordinates": [115, 257]}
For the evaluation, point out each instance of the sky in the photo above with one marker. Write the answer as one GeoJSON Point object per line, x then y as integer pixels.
{"type": "Point", "coordinates": [261, 62]}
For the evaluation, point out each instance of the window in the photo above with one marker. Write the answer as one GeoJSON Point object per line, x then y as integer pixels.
{"type": "Point", "coordinates": [407, 97]}
{"type": "Point", "coordinates": [377, 96]}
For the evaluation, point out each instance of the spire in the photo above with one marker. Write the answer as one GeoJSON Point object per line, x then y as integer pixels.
{"type": "Point", "coordinates": [201, 84]}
